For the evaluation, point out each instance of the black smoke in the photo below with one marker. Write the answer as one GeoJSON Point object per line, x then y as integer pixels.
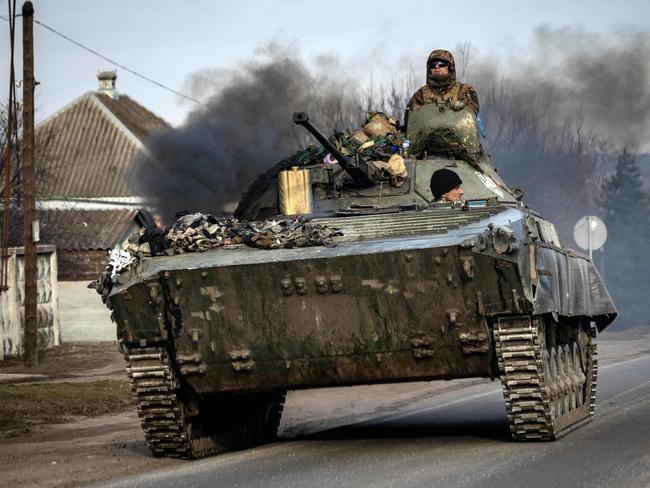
{"type": "Point", "coordinates": [560, 111]}
{"type": "Point", "coordinates": [603, 80]}
{"type": "Point", "coordinates": [243, 129]}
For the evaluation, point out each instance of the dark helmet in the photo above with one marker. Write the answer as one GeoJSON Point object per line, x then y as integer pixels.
{"type": "Point", "coordinates": [443, 181]}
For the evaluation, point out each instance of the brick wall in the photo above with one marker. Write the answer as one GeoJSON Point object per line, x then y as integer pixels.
{"type": "Point", "coordinates": [81, 265]}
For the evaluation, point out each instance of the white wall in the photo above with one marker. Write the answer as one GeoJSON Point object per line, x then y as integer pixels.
{"type": "Point", "coordinates": [12, 302]}
{"type": "Point", "coordinates": [83, 316]}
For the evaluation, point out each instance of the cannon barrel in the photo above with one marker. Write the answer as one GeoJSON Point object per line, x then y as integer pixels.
{"type": "Point", "coordinates": [359, 172]}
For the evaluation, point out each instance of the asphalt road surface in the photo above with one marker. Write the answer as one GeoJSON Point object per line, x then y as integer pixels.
{"type": "Point", "coordinates": [457, 439]}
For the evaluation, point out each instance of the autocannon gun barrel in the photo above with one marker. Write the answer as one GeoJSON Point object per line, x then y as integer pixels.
{"type": "Point", "coordinates": [358, 171]}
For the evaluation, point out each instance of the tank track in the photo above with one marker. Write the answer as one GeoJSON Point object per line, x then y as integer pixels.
{"type": "Point", "coordinates": [163, 415]}
{"type": "Point", "coordinates": [546, 397]}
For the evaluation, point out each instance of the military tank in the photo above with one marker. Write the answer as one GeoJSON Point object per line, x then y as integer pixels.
{"type": "Point", "coordinates": [412, 290]}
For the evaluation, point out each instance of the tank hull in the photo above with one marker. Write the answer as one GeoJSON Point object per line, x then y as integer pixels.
{"type": "Point", "coordinates": [411, 296]}
{"type": "Point", "coordinates": [405, 308]}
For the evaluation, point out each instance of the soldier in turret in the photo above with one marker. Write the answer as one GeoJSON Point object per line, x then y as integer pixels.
{"type": "Point", "coordinates": [442, 86]}
{"type": "Point", "coordinates": [446, 186]}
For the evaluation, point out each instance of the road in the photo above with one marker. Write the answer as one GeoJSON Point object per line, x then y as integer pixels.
{"type": "Point", "coordinates": [458, 438]}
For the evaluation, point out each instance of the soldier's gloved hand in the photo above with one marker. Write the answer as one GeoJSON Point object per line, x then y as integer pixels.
{"type": "Point", "coordinates": [457, 105]}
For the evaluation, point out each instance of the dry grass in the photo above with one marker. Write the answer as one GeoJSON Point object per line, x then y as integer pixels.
{"type": "Point", "coordinates": [64, 359]}
{"type": "Point", "coordinates": [26, 405]}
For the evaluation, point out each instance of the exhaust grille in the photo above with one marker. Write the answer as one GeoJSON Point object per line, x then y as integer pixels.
{"type": "Point", "coordinates": [435, 221]}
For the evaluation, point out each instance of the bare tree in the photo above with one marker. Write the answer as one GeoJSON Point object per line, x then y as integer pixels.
{"type": "Point", "coordinates": [46, 160]}
{"type": "Point", "coordinates": [8, 162]}
{"type": "Point", "coordinates": [557, 160]}
{"type": "Point", "coordinates": [46, 163]}
{"type": "Point", "coordinates": [462, 55]}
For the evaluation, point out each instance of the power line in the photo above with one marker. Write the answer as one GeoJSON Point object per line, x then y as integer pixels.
{"type": "Point", "coordinates": [115, 63]}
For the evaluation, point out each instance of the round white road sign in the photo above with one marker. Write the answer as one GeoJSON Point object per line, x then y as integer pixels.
{"type": "Point", "coordinates": [590, 233]}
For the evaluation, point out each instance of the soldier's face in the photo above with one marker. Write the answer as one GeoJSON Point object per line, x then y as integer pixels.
{"type": "Point", "coordinates": [439, 67]}
{"type": "Point", "coordinates": [455, 195]}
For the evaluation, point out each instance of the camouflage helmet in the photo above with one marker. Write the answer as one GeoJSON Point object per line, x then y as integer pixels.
{"type": "Point", "coordinates": [443, 55]}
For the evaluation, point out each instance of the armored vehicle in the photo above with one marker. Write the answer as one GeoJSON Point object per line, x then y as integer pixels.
{"type": "Point", "coordinates": [412, 290]}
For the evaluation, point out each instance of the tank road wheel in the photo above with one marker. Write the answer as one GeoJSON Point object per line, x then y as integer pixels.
{"type": "Point", "coordinates": [571, 377]}
{"type": "Point", "coordinates": [579, 375]}
{"type": "Point", "coordinates": [177, 423]}
{"type": "Point", "coordinates": [554, 384]}
{"type": "Point", "coordinates": [548, 374]}
{"type": "Point", "coordinates": [563, 379]}
{"type": "Point", "coordinates": [549, 391]}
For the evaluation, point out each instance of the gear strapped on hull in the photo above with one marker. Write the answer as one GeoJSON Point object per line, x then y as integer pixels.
{"type": "Point", "coordinates": [168, 429]}
{"type": "Point", "coordinates": [548, 391]}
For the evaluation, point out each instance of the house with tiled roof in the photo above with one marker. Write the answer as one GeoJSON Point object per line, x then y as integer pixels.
{"type": "Point", "coordinates": [88, 201]}
{"type": "Point", "coordinates": [94, 140]}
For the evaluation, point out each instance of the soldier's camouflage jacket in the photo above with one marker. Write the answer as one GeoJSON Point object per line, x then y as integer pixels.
{"type": "Point", "coordinates": [442, 89]}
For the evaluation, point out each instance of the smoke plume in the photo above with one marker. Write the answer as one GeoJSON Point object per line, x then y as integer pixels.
{"type": "Point", "coordinates": [243, 129]}
{"type": "Point", "coordinates": [603, 81]}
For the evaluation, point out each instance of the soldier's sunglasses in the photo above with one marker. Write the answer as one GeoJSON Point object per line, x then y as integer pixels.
{"type": "Point", "coordinates": [438, 64]}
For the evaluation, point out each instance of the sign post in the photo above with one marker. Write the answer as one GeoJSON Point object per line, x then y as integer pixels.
{"type": "Point", "coordinates": [590, 233]}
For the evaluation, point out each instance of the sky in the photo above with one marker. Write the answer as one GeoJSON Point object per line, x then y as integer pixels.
{"type": "Point", "coordinates": [376, 41]}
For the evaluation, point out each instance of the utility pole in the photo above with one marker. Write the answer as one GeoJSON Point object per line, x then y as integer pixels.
{"type": "Point", "coordinates": [29, 191]}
